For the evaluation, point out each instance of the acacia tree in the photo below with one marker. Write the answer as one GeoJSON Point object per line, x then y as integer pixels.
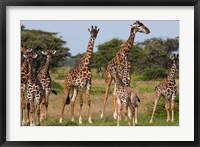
{"type": "Point", "coordinates": [40, 40]}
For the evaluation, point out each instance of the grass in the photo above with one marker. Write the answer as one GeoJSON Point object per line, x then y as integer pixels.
{"type": "Point", "coordinates": [145, 90]}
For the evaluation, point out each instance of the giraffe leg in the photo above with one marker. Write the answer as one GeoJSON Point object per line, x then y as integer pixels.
{"type": "Point", "coordinates": [32, 112]}
{"type": "Point", "coordinates": [75, 93]}
{"type": "Point", "coordinates": [28, 112]}
{"type": "Point", "coordinates": [64, 101]}
{"type": "Point", "coordinates": [89, 101]}
{"type": "Point", "coordinates": [136, 115]}
{"type": "Point", "coordinates": [131, 114]}
{"type": "Point", "coordinates": [47, 92]}
{"type": "Point", "coordinates": [167, 109]}
{"type": "Point", "coordinates": [23, 107]}
{"type": "Point", "coordinates": [108, 81]}
{"type": "Point", "coordinates": [155, 106]}
{"type": "Point", "coordinates": [126, 113]}
{"type": "Point", "coordinates": [42, 105]}
{"type": "Point", "coordinates": [38, 110]}
{"type": "Point", "coordinates": [80, 105]}
{"type": "Point", "coordinates": [114, 103]}
{"type": "Point", "coordinates": [172, 106]}
{"type": "Point", "coordinates": [119, 108]}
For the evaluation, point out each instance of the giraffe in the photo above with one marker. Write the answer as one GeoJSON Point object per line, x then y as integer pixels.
{"type": "Point", "coordinates": [168, 90]}
{"type": "Point", "coordinates": [128, 97]}
{"type": "Point", "coordinates": [34, 90]}
{"type": "Point", "coordinates": [45, 81]}
{"type": "Point", "coordinates": [24, 77]}
{"type": "Point", "coordinates": [77, 78]}
{"type": "Point", "coordinates": [118, 59]}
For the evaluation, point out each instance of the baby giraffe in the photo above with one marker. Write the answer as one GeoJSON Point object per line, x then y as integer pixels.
{"type": "Point", "coordinates": [45, 80]}
{"type": "Point", "coordinates": [34, 90]}
{"type": "Point", "coordinates": [128, 97]}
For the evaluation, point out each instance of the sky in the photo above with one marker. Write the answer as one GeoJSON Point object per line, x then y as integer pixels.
{"type": "Point", "coordinates": [76, 34]}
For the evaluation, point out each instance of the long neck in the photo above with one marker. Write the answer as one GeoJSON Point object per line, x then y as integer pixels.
{"type": "Point", "coordinates": [86, 59]}
{"type": "Point", "coordinates": [90, 47]}
{"type": "Point", "coordinates": [45, 70]}
{"type": "Point", "coordinates": [130, 40]}
{"type": "Point", "coordinates": [24, 66]}
{"type": "Point", "coordinates": [171, 75]}
{"type": "Point", "coordinates": [30, 71]}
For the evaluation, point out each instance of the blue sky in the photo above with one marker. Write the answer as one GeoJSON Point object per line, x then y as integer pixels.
{"type": "Point", "coordinates": [76, 35]}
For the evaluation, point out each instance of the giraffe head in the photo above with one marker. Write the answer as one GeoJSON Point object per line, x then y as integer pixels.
{"type": "Point", "coordinates": [29, 56]}
{"type": "Point", "coordinates": [93, 31]}
{"type": "Point", "coordinates": [49, 53]}
{"type": "Point", "coordinates": [139, 27]}
{"type": "Point", "coordinates": [175, 58]}
{"type": "Point", "coordinates": [25, 50]}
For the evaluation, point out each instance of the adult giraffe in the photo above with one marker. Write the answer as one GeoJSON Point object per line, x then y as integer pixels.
{"type": "Point", "coordinates": [77, 78]}
{"type": "Point", "coordinates": [167, 89]}
{"type": "Point", "coordinates": [119, 63]}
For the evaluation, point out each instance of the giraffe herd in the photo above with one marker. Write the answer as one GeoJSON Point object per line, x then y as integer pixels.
{"type": "Point", "coordinates": [37, 85]}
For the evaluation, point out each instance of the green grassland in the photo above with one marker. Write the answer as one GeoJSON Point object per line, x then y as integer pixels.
{"type": "Point", "coordinates": [145, 90]}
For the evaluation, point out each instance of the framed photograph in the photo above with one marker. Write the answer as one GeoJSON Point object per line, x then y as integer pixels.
{"type": "Point", "coordinates": [99, 73]}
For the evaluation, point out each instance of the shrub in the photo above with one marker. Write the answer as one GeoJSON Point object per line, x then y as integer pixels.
{"type": "Point", "coordinates": [153, 73]}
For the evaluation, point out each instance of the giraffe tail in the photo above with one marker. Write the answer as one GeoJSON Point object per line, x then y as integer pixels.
{"type": "Point", "coordinates": [54, 92]}
{"type": "Point", "coordinates": [138, 99]}
{"type": "Point", "coordinates": [67, 100]}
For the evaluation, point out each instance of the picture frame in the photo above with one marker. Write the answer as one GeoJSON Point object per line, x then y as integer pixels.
{"type": "Point", "coordinates": [3, 25]}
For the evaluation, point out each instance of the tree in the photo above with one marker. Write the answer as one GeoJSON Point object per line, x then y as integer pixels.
{"type": "Point", "coordinates": [152, 53]}
{"type": "Point", "coordinates": [106, 52]}
{"type": "Point", "coordinates": [40, 40]}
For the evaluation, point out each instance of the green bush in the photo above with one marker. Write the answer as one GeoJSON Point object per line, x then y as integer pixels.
{"type": "Point", "coordinates": [57, 87]}
{"type": "Point", "coordinates": [153, 73]}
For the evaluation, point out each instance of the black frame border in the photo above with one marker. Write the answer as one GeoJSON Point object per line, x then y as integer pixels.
{"type": "Point", "coordinates": [5, 3]}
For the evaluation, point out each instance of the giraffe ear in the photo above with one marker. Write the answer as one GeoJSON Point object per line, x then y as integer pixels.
{"type": "Point", "coordinates": [89, 30]}
{"type": "Point", "coordinates": [44, 53]}
{"type": "Point", "coordinates": [35, 55]}
{"type": "Point", "coordinates": [99, 29]}
{"type": "Point", "coordinates": [54, 51]}
{"type": "Point", "coordinates": [25, 56]}
{"type": "Point", "coordinates": [29, 50]}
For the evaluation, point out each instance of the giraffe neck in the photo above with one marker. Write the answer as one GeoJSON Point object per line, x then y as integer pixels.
{"type": "Point", "coordinates": [130, 40]}
{"type": "Point", "coordinates": [30, 72]}
{"type": "Point", "coordinates": [24, 66]}
{"type": "Point", "coordinates": [171, 75]}
{"type": "Point", "coordinates": [88, 55]}
{"type": "Point", "coordinates": [125, 75]}
{"type": "Point", "coordinates": [46, 68]}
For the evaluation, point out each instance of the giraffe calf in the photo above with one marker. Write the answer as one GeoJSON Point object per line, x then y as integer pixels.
{"type": "Point", "coordinates": [126, 96]}
{"type": "Point", "coordinates": [129, 98]}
